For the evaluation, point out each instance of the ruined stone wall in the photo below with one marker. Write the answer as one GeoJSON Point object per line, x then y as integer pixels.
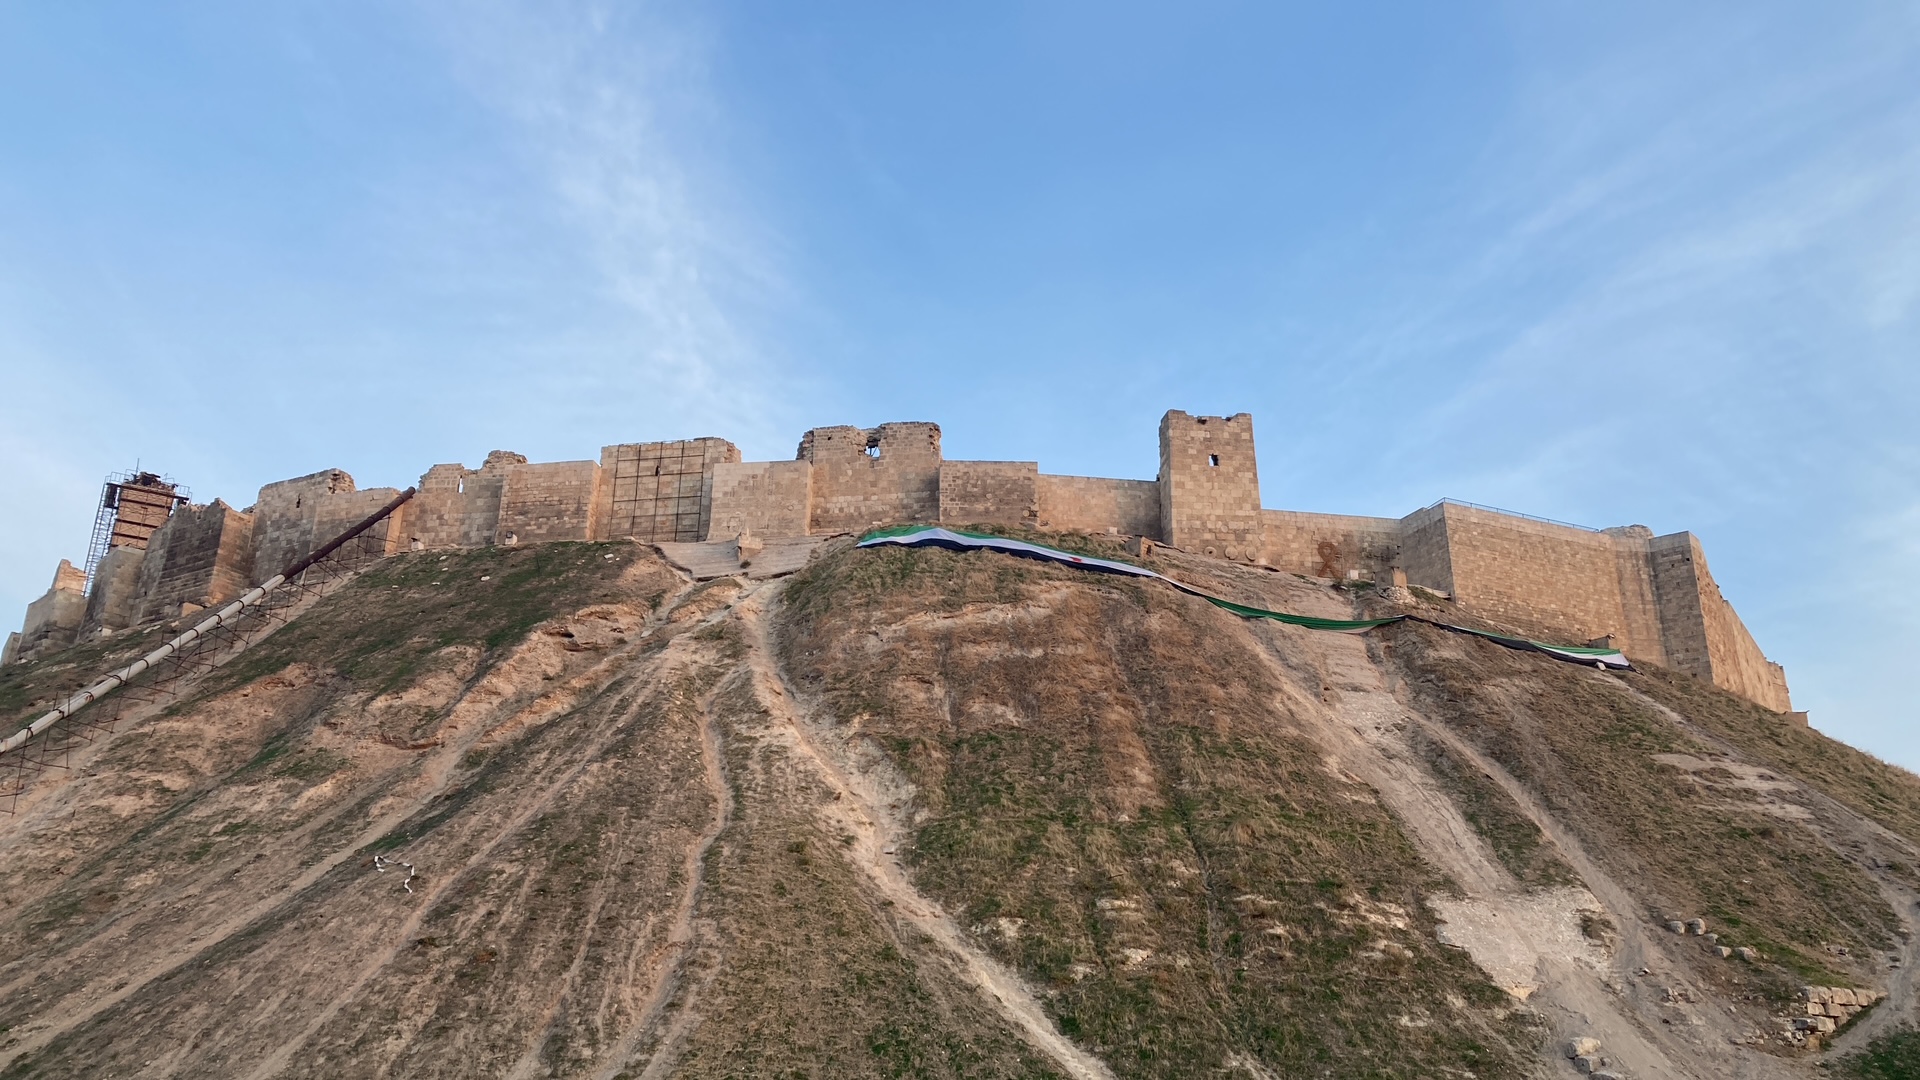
{"type": "Point", "coordinates": [284, 514]}
{"type": "Point", "coordinates": [1210, 485]}
{"type": "Point", "coordinates": [116, 585]}
{"type": "Point", "coordinates": [53, 621]}
{"type": "Point", "coordinates": [1093, 504]}
{"type": "Point", "coordinates": [293, 517]}
{"type": "Point", "coordinates": [764, 498]}
{"type": "Point", "coordinates": [1329, 545]}
{"type": "Point", "coordinates": [458, 507]}
{"type": "Point", "coordinates": [202, 556]}
{"type": "Point", "coordinates": [662, 491]}
{"type": "Point", "coordinates": [989, 493]}
{"type": "Point", "coordinates": [550, 501]}
{"type": "Point", "coordinates": [866, 477]}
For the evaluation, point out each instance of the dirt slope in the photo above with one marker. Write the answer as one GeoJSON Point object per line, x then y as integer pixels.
{"type": "Point", "coordinates": [559, 811]}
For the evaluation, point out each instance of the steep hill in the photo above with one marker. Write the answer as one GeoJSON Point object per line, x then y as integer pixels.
{"type": "Point", "coordinates": [560, 811]}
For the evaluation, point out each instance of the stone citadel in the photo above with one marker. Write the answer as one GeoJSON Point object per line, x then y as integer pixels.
{"type": "Point", "coordinates": [1652, 596]}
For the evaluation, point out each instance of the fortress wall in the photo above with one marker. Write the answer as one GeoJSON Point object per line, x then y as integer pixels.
{"type": "Point", "coordinates": [53, 621]}
{"type": "Point", "coordinates": [116, 583]}
{"type": "Point", "coordinates": [340, 512]}
{"type": "Point", "coordinates": [1639, 603]}
{"type": "Point", "coordinates": [458, 507]}
{"type": "Point", "coordinates": [1676, 589]}
{"type": "Point", "coordinates": [202, 556]}
{"type": "Point", "coordinates": [1210, 485]}
{"type": "Point", "coordinates": [1425, 553]}
{"type": "Point", "coordinates": [1738, 664]}
{"type": "Point", "coordinates": [661, 491]}
{"type": "Point", "coordinates": [284, 514]}
{"type": "Point", "coordinates": [1652, 595]}
{"type": "Point", "coordinates": [1534, 573]}
{"type": "Point", "coordinates": [548, 501]}
{"type": "Point", "coordinates": [765, 498]}
{"type": "Point", "coordinates": [865, 477]}
{"type": "Point", "coordinates": [1095, 505]}
{"type": "Point", "coordinates": [1328, 545]}
{"type": "Point", "coordinates": [1704, 635]}
{"type": "Point", "coordinates": [989, 493]}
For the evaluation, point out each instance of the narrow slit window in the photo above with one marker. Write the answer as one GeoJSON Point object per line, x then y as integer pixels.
{"type": "Point", "coordinates": [1213, 460]}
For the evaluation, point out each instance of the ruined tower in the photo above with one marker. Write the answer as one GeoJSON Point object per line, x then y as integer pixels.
{"type": "Point", "coordinates": [1209, 485]}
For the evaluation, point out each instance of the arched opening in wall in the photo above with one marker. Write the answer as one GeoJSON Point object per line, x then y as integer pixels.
{"type": "Point", "coordinates": [296, 502]}
{"type": "Point", "coordinates": [1213, 460]}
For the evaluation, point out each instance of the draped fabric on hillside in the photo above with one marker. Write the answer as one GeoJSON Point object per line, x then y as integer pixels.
{"type": "Point", "coordinates": [956, 540]}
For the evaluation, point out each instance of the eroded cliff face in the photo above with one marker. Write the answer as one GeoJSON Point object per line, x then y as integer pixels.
{"type": "Point", "coordinates": [558, 811]}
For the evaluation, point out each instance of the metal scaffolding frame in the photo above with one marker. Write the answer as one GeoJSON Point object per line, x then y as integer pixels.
{"type": "Point", "coordinates": [157, 495]}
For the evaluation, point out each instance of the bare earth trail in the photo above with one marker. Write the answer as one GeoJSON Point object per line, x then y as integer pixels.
{"type": "Point", "coordinates": [1531, 943]}
{"type": "Point", "coordinates": [861, 809]}
{"type": "Point", "coordinates": [679, 653]}
{"type": "Point", "coordinates": [168, 955]}
{"type": "Point", "coordinates": [668, 966]}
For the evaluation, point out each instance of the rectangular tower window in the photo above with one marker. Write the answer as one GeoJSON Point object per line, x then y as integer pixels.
{"type": "Point", "coordinates": [1213, 460]}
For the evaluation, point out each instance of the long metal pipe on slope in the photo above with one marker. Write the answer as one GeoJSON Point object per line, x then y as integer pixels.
{"type": "Point", "coordinates": [206, 626]}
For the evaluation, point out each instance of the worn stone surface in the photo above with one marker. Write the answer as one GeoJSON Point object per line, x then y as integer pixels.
{"type": "Point", "coordinates": [1328, 545]}
{"type": "Point", "coordinates": [54, 619]}
{"type": "Point", "coordinates": [1092, 504]}
{"type": "Point", "coordinates": [662, 491]}
{"type": "Point", "coordinates": [550, 501]}
{"type": "Point", "coordinates": [989, 492]}
{"type": "Point", "coordinates": [868, 477]}
{"type": "Point", "coordinates": [202, 556]}
{"type": "Point", "coordinates": [116, 583]}
{"type": "Point", "coordinates": [765, 498]}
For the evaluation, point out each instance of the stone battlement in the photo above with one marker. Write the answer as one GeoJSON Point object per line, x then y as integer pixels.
{"type": "Point", "coordinates": [1651, 595]}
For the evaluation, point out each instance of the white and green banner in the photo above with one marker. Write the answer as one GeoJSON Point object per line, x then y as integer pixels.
{"type": "Point", "coordinates": [957, 540]}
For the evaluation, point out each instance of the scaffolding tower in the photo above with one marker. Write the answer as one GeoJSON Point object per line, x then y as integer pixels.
{"type": "Point", "coordinates": [133, 506]}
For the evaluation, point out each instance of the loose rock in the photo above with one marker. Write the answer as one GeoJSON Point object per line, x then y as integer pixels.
{"type": "Point", "coordinates": [1582, 1047]}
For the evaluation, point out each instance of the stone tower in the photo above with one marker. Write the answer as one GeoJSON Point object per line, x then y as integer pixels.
{"type": "Point", "coordinates": [1209, 485]}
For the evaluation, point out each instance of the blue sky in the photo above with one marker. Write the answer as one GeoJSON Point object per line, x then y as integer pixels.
{"type": "Point", "coordinates": [1653, 263]}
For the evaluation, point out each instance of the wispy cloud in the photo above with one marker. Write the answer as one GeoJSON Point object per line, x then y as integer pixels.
{"type": "Point", "coordinates": [1695, 299]}
{"type": "Point", "coordinates": [615, 110]}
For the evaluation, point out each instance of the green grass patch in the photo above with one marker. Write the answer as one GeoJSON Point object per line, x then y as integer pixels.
{"type": "Point", "coordinates": [1894, 1056]}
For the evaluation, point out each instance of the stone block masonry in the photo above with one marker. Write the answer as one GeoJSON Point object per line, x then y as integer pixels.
{"type": "Point", "coordinates": [556, 501]}
{"type": "Point", "coordinates": [202, 556]}
{"type": "Point", "coordinates": [661, 492]}
{"type": "Point", "coordinates": [990, 492]}
{"type": "Point", "coordinates": [1092, 504]}
{"type": "Point", "coordinates": [116, 586]}
{"type": "Point", "coordinates": [867, 477]}
{"type": "Point", "coordinates": [53, 620]}
{"type": "Point", "coordinates": [761, 498]}
{"type": "Point", "coordinates": [1210, 486]}
{"type": "Point", "coordinates": [1652, 595]}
